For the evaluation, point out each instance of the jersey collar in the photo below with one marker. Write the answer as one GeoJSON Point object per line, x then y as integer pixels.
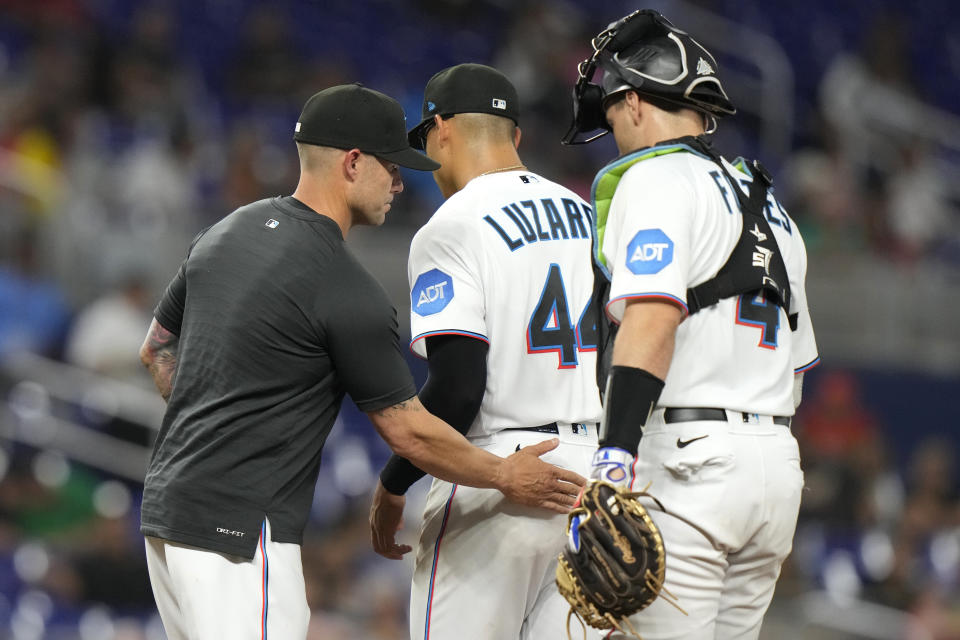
{"type": "Point", "coordinates": [608, 178]}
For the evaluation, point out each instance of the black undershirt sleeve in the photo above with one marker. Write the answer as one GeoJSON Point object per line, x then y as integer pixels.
{"type": "Point", "coordinates": [456, 382]}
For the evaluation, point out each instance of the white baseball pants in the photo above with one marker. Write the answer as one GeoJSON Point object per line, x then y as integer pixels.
{"type": "Point", "coordinates": [204, 595]}
{"type": "Point", "coordinates": [485, 567]}
{"type": "Point", "coordinates": [731, 502]}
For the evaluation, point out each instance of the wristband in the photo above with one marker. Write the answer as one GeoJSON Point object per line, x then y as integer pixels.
{"type": "Point", "coordinates": [399, 474]}
{"type": "Point", "coordinates": [629, 400]}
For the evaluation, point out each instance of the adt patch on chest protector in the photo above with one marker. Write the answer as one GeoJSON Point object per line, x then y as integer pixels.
{"type": "Point", "coordinates": [649, 252]}
{"type": "Point", "coordinates": [432, 291]}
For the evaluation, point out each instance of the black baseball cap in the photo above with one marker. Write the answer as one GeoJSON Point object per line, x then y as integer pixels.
{"type": "Point", "coordinates": [466, 88]}
{"type": "Point", "coordinates": [351, 116]}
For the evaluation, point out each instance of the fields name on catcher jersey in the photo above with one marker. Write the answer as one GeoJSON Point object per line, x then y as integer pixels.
{"type": "Point", "coordinates": [507, 260]}
{"type": "Point", "coordinates": [673, 222]}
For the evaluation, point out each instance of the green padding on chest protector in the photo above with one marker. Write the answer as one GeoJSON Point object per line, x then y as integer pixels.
{"type": "Point", "coordinates": [605, 185]}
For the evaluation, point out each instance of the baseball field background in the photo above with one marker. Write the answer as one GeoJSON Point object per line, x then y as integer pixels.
{"type": "Point", "coordinates": [127, 126]}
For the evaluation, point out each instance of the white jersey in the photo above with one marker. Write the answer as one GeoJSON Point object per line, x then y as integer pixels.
{"type": "Point", "coordinates": [672, 224]}
{"type": "Point", "coordinates": [507, 260]}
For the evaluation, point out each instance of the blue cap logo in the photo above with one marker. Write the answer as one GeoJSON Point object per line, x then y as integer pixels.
{"type": "Point", "coordinates": [649, 251]}
{"type": "Point", "coordinates": [432, 291]}
{"type": "Point", "coordinates": [431, 106]}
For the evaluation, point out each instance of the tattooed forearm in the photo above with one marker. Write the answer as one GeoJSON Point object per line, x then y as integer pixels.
{"type": "Point", "coordinates": [412, 404]}
{"type": "Point", "coordinates": [159, 355]}
{"type": "Point", "coordinates": [162, 368]}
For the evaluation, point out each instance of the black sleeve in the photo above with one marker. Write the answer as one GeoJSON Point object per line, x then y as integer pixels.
{"type": "Point", "coordinates": [456, 382]}
{"type": "Point", "coordinates": [169, 311]}
{"type": "Point", "coordinates": [362, 338]}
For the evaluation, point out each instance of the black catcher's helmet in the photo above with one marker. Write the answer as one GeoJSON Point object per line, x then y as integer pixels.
{"type": "Point", "coordinates": [646, 53]}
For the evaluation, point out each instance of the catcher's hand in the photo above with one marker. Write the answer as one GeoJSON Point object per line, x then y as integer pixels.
{"type": "Point", "coordinates": [614, 562]}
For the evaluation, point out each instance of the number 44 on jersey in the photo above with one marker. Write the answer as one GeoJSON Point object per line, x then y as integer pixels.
{"type": "Point", "coordinates": [551, 330]}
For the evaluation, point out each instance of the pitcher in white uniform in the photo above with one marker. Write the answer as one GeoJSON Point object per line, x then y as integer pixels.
{"type": "Point", "coordinates": [501, 289]}
{"type": "Point", "coordinates": [706, 281]}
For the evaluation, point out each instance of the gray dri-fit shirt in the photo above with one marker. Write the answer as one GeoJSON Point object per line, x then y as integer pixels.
{"type": "Point", "coordinates": [276, 320]}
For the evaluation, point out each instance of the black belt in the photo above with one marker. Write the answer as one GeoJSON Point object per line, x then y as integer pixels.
{"type": "Point", "coordinates": [719, 415]}
{"type": "Point", "coordinates": [552, 427]}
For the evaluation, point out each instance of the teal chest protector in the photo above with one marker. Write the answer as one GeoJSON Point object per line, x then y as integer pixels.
{"type": "Point", "coordinates": [755, 265]}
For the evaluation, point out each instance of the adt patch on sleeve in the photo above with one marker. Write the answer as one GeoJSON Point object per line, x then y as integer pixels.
{"type": "Point", "coordinates": [432, 291]}
{"type": "Point", "coordinates": [649, 252]}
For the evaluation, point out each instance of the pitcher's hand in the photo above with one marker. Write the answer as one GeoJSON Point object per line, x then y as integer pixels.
{"type": "Point", "coordinates": [386, 519]}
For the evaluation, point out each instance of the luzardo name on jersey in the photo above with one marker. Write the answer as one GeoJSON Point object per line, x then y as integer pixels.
{"type": "Point", "coordinates": [530, 221]}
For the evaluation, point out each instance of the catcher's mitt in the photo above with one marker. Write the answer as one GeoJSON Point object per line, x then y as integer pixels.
{"type": "Point", "coordinates": [615, 563]}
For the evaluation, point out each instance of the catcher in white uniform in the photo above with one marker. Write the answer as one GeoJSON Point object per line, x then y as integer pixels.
{"type": "Point", "coordinates": [706, 281]}
{"type": "Point", "coordinates": [501, 296]}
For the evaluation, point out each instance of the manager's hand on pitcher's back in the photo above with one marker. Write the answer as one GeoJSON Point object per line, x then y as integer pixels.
{"type": "Point", "coordinates": [528, 480]}
{"type": "Point", "coordinates": [440, 450]}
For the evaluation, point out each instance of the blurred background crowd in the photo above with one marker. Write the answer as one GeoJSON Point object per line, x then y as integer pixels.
{"type": "Point", "coordinates": [126, 126]}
